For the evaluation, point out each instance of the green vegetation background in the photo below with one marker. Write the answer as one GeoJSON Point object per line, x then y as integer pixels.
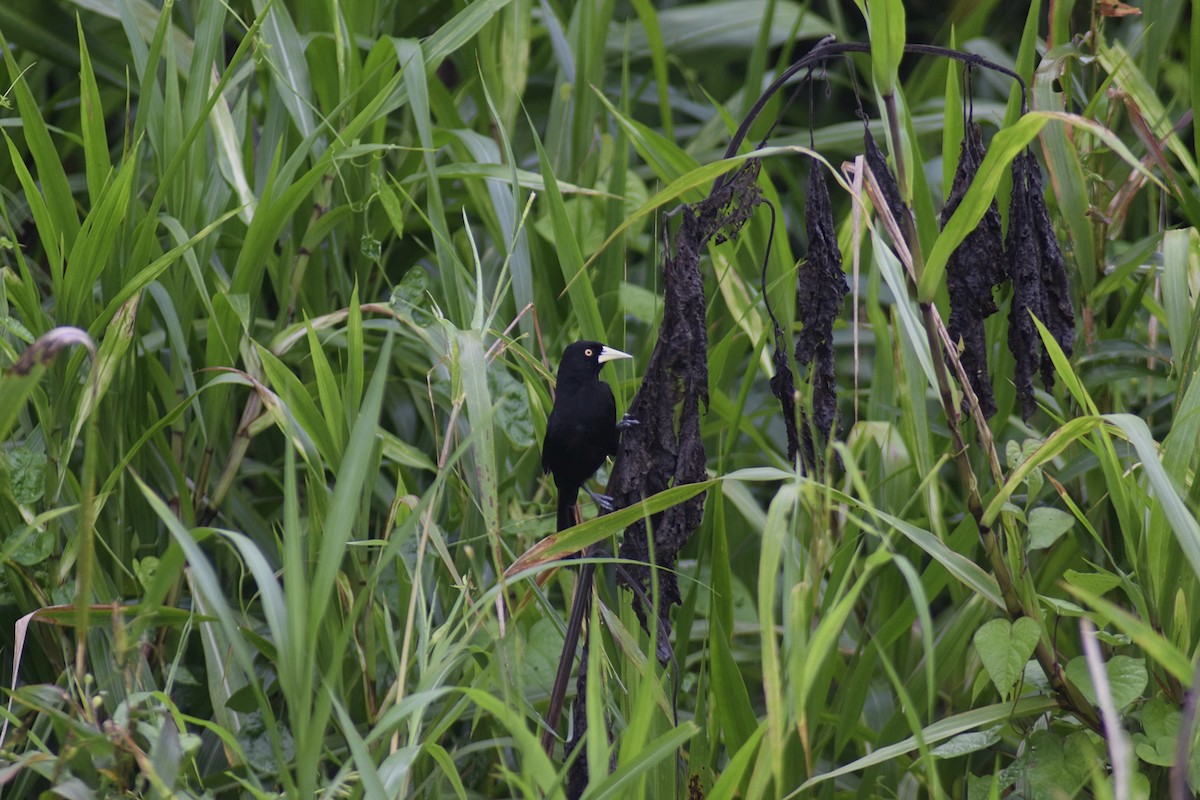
{"type": "Point", "coordinates": [290, 280]}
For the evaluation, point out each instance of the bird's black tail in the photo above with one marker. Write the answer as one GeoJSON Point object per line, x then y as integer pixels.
{"type": "Point", "coordinates": [566, 508]}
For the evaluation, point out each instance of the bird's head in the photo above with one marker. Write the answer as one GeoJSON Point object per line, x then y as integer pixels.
{"type": "Point", "coordinates": [582, 360]}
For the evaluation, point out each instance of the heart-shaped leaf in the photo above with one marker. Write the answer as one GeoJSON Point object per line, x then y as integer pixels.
{"type": "Point", "coordinates": [1126, 678]}
{"type": "Point", "coordinates": [1046, 525]}
{"type": "Point", "coordinates": [1004, 647]}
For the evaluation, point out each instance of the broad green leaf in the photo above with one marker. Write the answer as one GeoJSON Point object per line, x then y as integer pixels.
{"type": "Point", "coordinates": [29, 545]}
{"type": "Point", "coordinates": [289, 68]}
{"type": "Point", "coordinates": [1179, 516]}
{"type": "Point", "coordinates": [27, 474]}
{"type": "Point", "coordinates": [967, 743]}
{"type": "Point", "coordinates": [594, 530]}
{"type": "Point", "coordinates": [1046, 526]}
{"type": "Point", "coordinates": [460, 29]}
{"type": "Point", "coordinates": [1126, 676]}
{"type": "Point", "coordinates": [481, 408]}
{"type": "Point", "coordinates": [734, 773]}
{"type": "Point", "coordinates": [98, 165]}
{"type": "Point", "coordinates": [1004, 647]}
{"type": "Point", "coordinates": [113, 348]}
{"type": "Point", "coordinates": [1146, 637]}
{"type": "Point", "coordinates": [1054, 444]}
{"type": "Point", "coordinates": [1058, 766]}
{"type": "Point", "coordinates": [1097, 583]}
{"type": "Point", "coordinates": [619, 783]}
{"type": "Point", "coordinates": [340, 521]}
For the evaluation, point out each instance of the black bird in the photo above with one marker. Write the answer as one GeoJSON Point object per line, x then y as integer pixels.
{"type": "Point", "coordinates": [581, 432]}
{"type": "Point", "coordinates": [582, 429]}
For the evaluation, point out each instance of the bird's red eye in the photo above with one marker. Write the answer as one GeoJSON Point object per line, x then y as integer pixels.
{"type": "Point", "coordinates": [588, 352]}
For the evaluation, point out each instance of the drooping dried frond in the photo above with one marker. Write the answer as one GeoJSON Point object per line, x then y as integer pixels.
{"type": "Point", "coordinates": [971, 273]}
{"type": "Point", "coordinates": [821, 288]}
{"type": "Point", "coordinates": [877, 161]}
{"type": "Point", "coordinates": [1060, 313]}
{"type": "Point", "coordinates": [783, 386]}
{"type": "Point", "coordinates": [1039, 277]}
{"type": "Point", "coordinates": [665, 448]}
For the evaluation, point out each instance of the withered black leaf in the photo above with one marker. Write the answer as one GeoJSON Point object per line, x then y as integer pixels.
{"type": "Point", "coordinates": [821, 288]}
{"type": "Point", "coordinates": [1060, 313]}
{"type": "Point", "coordinates": [973, 269]}
{"type": "Point", "coordinates": [1039, 277]}
{"type": "Point", "coordinates": [733, 201]}
{"type": "Point", "coordinates": [877, 161]}
{"type": "Point", "coordinates": [665, 449]}
{"type": "Point", "coordinates": [783, 386]}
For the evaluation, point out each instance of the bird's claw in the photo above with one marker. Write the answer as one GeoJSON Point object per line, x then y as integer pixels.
{"type": "Point", "coordinates": [627, 422]}
{"type": "Point", "coordinates": [603, 501]}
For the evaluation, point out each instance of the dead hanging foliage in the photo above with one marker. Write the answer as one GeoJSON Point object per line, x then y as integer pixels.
{"type": "Point", "coordinates": [783, 386]}
{"type": "Point", "coordinates": [821, 288]}
{"type": "Point", "coordinates": [1039, 278]}
{"type": "Point", "coordinates": [877, 161]}
{"type": "Point", "coordinates": [795, 420]}
{"type": "Point", "coordinates": [665, 448]}
{"type": "Point", "coordinates": [799, 437]}
{"type": "Point", "coordinates": [973, 270]}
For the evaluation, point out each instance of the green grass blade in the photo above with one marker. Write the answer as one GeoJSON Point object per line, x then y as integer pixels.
{"type": "Point", "coordinates": [618, 784]}
{"type": "Point", "coordinates": [340, 521]}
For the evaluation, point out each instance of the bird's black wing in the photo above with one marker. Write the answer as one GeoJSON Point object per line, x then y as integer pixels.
{"type": "Point", "coordinates": [580, 433]}
{"type": "Point", "coordinates": [606, 422]}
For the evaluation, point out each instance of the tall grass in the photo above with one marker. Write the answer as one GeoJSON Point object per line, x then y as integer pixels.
{"type": "Point", "coordinates": [283, 290]}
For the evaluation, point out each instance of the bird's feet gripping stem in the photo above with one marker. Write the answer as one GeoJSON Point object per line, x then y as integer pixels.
{"type": "Point", "coordinates": [603, 502]}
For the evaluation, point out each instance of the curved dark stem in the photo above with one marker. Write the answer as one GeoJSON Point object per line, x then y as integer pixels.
{"type": "Point", "coordinates": [795, 93]}
{"type": "Point", "coordinates": [969, 95]}
{"type": "Point", "coordinates": [828, 49]}
{"type": "Point", "coordinates": [812, 142]}
{"type": "Point", "coordinates": [859, 110]}
{"type": "Point", "coordinates": [580, 607]}
{"type": "Point", "coordinates": [765, 262]}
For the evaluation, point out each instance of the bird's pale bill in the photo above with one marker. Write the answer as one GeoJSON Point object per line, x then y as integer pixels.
{"type": "Point", "coordinates": [611, 354]}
